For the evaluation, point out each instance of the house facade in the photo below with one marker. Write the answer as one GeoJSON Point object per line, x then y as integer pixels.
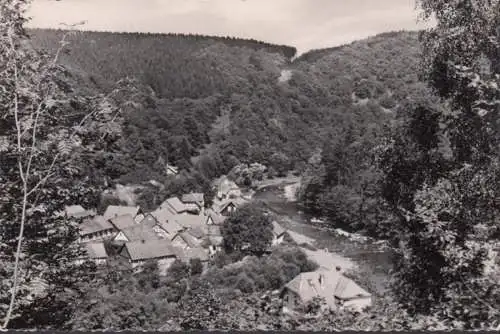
{"type": "Point", "coordinates": [139, 252]}
{"type": "Point", "coordinates": [96, 229]}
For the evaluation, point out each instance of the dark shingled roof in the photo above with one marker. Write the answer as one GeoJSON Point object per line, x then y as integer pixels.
{"type": "Point", "coordinates": [151, 249]}
{"type": "Point", "coordinates": [123, 222]}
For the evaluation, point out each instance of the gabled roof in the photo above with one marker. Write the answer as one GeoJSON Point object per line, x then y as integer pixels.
{"type": "Point", "coordinates": [96, 250]}
{"type": "Point", "coordinates": [334, 284]}
{"type": "Point", "coordinates": [123, 222]}
{"type": "Point", "coordinates": [221, 206]}
{"type": "Point", "coordinates": [217, 219]}
{"type": "Point", "coordinates": [197, 198]}
{"type": "Point", "coordinates": [119, 210]}
{"type": "Point", "coordinates": [197, 232]}
{"type": "Point", "coordinates": [174, 204]}
{"type": "Point", "coordinates": [191, 221]}
{"type": "Point", "coordinates": [139, 232]}
{"type": "Point", "coordinates": [76, 211]}
{"type": "Point", "coordinates": [151, 249]}
{"type": "Point", "coordinates": [94, 225]}
{"type": "Point", "coordinates": [215, 240]}
{"type": "Point", "coordinates": [278, 230]}
{"type": "Point", "coordinates": [190, 240]}
{"type": "Point", "coordinates": [167, 220]}
{"type": "Point", "coordinates": [214, 230]}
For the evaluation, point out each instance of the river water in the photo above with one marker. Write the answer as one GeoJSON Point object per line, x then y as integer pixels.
{"type": "Point", "coordinates": [370, 254]}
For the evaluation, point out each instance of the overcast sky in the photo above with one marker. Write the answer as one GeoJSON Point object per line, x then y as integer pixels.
{"type": "Point", "coordinates": [305, 24]}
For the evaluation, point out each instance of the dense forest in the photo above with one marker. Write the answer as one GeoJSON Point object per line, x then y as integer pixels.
{"type": "Point", "coordinates": [396, 136]}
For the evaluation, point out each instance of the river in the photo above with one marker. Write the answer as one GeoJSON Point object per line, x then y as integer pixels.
{"type": "Point", "coordinates": [369, 254]}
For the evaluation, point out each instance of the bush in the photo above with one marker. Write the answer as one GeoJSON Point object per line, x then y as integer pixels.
{"type": "Point", "coordinates": [196, 266]}
{"type": "Point", "coordinates": [245, 284]}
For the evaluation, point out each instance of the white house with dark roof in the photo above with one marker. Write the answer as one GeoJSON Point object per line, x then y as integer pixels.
{"type": "Point", "coordinates": [162, 251]}
{"type": "Point", "coordinates": [96, 228]}
{"type": "Point", "coordinates": [337, 291]}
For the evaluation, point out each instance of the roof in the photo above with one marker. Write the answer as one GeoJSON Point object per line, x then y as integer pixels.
{"type": "Point", "coordinates": [196, 253]}
{"type": "Point", "coordinates": [214, 230]}
{"type": "Point", "coordinates": [278, 229]}
{"type": "Point", "coordinates": [167, 220]}
{"type": "Point", "coordinates": [94, 225]}
{"type": "Point", "coordinates": [193, 198]}
{"type": "Point", "coordinates": [139, 232]}
{"type": "Point", "coordinates": [224, 185]}
{"type": "Point", "coordinates": [300, 238]}
{"type": "Point", "coordinates": [197, 231]}
{"type": "Point", "coordinates": [175, 204]}
{"type": "Point", "coordinates": [307, 286]}
{"type": "Point", "coordinates": [119, 210]}
{"type": "Point", "coordinates": [190, 240]}
{"type": "Point", "coordinates": [96, 250]}
{"type": "Point", "coordinates": [236, 202]}
{"type": "Point", "coordinates": [191, 221]}
{"type": "Point", "coordinates": [218, 219]}
{"type": "Point", "coordinates": [122, 222]}
{"type": "Point", "coordinates": [150, 249]}
{"type": "Point", "coordinates": [77, 211]}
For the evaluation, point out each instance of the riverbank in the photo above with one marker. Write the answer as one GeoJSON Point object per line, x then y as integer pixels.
{"type": "Point", "coordinates": [361, 252]}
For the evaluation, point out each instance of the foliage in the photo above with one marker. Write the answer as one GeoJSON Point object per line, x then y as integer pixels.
{"type": "Point", "coordinates": [247, 231]}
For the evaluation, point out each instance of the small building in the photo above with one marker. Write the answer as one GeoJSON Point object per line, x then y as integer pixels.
{"type": "Point", "coordinates": [113, 211]}
{"type": "Point", "coordinates": [123, 222]}
{"type": "Point", "coordinates": [214, 244]}
{"type": "Point", "coordinates": [162, 251]}
{"type": "Point", "coordinates": [96, 228]}
{"type": "Point", "coordinates": [96, 252]}
{"type": "Point", "coordinates": [337, 291]}
{"type": "Point", "coordinates": [226, 189]}
{"type": "Point", "coordinates": [226, 208]}
{"type": "Point", "coordinates": [175, 205]}
{"type": "Point", "coordinates": [278, 233]}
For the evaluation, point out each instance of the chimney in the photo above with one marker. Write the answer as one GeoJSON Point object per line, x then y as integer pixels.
{"type": "Point", "coordinates": [338, 268]}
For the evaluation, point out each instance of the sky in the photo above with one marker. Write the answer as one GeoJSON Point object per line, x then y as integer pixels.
{"type": "Point", "coordinates": [305, 24]}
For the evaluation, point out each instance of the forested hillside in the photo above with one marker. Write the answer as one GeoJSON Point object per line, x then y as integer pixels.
{"type": "Point", "coordinates": [221, 98]}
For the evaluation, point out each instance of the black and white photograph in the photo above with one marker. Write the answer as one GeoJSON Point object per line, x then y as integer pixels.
{"type": "Point", "coordinates": [250, 165]}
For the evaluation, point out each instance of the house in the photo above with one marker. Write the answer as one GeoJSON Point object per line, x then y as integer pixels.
{"type": "Point", "coordinates": [227, 207]}
{"type": "Point", "coordinates": [185, 240]}
{"type": "Point", "coordinates": [96, 228]}
{"type": "Point", "coordinates": [213, 218]}
{"type": "Point", "coordinates": [77, 211]}
{"type": "Point", "coordinates": [162, 251]}
{"type": "Point", "coordinates": [136, 232]}
{"type": "Point", "coordinates": [175, 205]}
{"type": "Point", "coordinates": [195, 202]}
{"type": "Point", "coordinates": [113, 211]}
{"type": "Point", "coordinates": [123, 222]}
{"type": "Point", "coordinates": [96, 252]}
{"type": "Point", "coordinates": [278, 233]}
{"type": "Point", "coordinates": [337, 290]}
{"type": "Point", "coordinates": [166, 223]}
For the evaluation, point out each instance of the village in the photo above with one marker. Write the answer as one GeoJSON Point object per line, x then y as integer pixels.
{"type": "Point", "coordinates": [183, 228]}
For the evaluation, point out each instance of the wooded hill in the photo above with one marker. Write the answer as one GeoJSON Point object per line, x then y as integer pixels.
{"type": "Point", "coordinates": [220, 100]}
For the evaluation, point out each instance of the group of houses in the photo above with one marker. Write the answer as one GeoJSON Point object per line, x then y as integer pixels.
{"type": "Point", "coordinates": [183, 229]}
